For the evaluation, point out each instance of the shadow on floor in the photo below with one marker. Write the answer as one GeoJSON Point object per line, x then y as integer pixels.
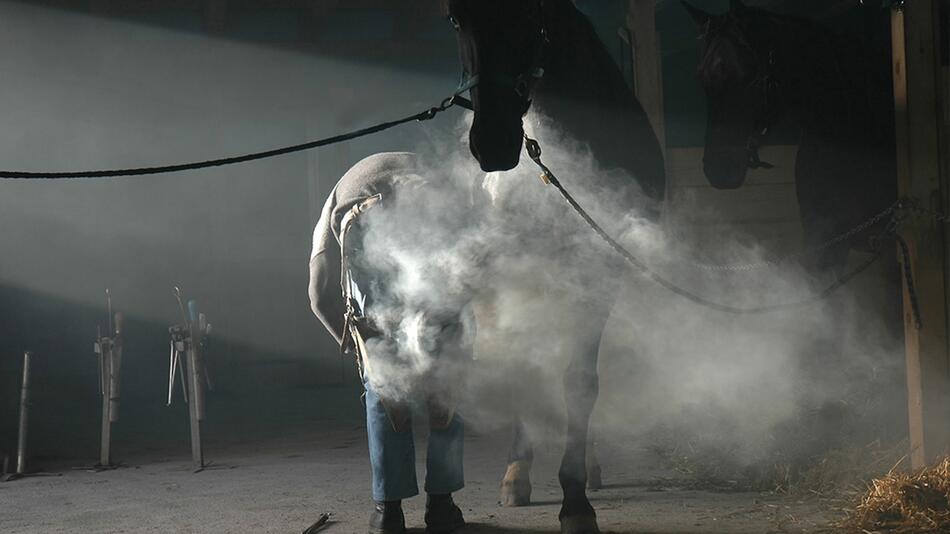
{"type": "Point", "coordinates": [476, 528]}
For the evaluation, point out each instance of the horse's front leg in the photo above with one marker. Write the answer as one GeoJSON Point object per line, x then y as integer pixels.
{"type": "Point", "coordinates": [580, 393]}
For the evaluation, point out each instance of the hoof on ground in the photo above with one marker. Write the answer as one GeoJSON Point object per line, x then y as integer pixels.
{"type": "Point", "coordinates": [516, 486]}
{"type": "Point", "coordinates": [515, 493]}
{"type": "Point", "coordinates": [594, 480]}
{"type": "Point", "coordinates": [581, 524]}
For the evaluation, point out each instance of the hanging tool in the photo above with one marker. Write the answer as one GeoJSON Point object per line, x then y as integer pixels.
{"type": "Point", "coordinates": [188, 346]}
{"type": "Point", "coordinates": [109, 352]}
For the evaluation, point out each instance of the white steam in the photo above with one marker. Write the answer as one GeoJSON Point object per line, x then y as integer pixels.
{"type": "Point", "coordinates": [542, 284]}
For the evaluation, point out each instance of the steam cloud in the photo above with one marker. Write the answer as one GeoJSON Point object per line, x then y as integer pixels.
{"type": "Point", "coordinates": [541, 284]}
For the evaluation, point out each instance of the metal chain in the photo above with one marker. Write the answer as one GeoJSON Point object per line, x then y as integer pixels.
{"type": "Point", "coordinates": [914, 208]}
{"type": "Point", "coordinates": [897, 213]}
{"type": "Point", "coordinates": [843, 237]}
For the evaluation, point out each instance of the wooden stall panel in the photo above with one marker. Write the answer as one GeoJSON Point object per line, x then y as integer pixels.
{"type": "Point", "coordinates": [763, 213]}
{"type": "Point", "coordinates": [685, 166]}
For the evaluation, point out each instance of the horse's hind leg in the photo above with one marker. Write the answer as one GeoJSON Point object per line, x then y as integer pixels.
{"type": "Point", "coordinates": [516, 486]}
{"type": "Point", "coordinates": [580, 393]}
{"type": "Point", "coordinates": [594, 478]}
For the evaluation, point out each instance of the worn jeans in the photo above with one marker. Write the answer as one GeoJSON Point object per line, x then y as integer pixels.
{"type": "Point", "coordinates": [393, 455]}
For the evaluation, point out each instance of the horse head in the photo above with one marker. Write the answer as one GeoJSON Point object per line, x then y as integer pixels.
{"type": "Point", "coordinates": [501, 47]}
{"type": "Point", "coordinates": [737, 73]}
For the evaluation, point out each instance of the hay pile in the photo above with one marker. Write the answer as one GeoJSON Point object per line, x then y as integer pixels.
{"type": "Point", "coordinates": [902, 503]}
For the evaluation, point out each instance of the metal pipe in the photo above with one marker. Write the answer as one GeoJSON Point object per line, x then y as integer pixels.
{"type": "Point", "coordinates": [115, 370]}
{"type": "Point", "coordinates": [98, 349]}
{"type": "Point", "coordinates": [105, 438]}
{"type": "Point", "coordinates": [24, 415]}
{"type": "Point", "coordinates": [195, 367]}
{"type": "Point", "coordinates": [196, 406]}
{"type": "Point", "coordinates": [109, 350]}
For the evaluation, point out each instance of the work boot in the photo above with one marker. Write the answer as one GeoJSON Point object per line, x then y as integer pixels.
{"type": "Point", "coordinates": [387, 518]}
{"type": "Point", "coordinates": [442, 516]}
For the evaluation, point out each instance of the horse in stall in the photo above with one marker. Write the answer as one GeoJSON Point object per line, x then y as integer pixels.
{"type": "Point", "coordinates": [545, 54]}
{"type": "Point", "coordinates": [517, 56]}
{"type": "Point", "coordinates": [758, 67]}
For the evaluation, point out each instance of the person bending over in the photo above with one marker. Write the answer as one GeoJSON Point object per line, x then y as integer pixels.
{"type": "Point", "coordinates": [345, 293]}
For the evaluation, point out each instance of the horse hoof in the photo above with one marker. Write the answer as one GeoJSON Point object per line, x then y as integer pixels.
{"type": "Point", "coordinates": [516, 493]}
{"type": "Point", "coordinates": [516, 486]}
{"type": "Point", "coordinates": [594, 480]}
{"type": "Point", "coordinates": [579, 524]}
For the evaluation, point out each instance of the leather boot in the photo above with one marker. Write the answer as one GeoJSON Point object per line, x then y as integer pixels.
{"type": "Point", "coordinates": [387, 518]}
{"type": "Point", "coordinates": [442, 515]}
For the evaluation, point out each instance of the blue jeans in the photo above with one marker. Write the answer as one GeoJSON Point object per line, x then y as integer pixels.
{"type": "Point", "coordinates": [393, 456]}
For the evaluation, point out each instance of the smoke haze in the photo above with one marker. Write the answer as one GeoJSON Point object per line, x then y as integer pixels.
{"type": "Point", "coordinates": [541, 284]}
{"type": "Point", "coordinates": [86, 92]}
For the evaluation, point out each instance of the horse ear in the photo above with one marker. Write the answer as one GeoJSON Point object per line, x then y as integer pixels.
{"type": "Point", "coordinates": [736, 5]}
{"type": "Point", "coordinates": [699, 16]}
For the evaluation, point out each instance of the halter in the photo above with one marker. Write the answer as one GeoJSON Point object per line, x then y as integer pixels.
{"type": "Point", "coordinates": [765, 80]}
{"type": "Point", "coordinates": [521, 84]}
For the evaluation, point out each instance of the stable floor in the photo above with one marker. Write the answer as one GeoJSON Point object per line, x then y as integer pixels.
{"type": "Point", "coordinates": [283, 484]}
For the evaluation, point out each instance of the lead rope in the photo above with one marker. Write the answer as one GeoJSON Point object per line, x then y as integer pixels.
{"type": "Point", "coordinates": [428, 114]}
{"type": "Point", "coordinates": [548, 177]}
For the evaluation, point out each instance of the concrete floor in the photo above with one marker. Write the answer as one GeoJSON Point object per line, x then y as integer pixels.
{"type": "Point", "coordinates": [283, 485]}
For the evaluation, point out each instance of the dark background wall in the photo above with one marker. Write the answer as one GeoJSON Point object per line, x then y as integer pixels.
{"type": "Point", "coordinates": [123, 87]}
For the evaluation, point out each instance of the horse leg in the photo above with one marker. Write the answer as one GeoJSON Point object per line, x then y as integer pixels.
{"type": "Point", "coordinates": [580, 393]}
{"type": "Point", "coordinates": [516, 486]}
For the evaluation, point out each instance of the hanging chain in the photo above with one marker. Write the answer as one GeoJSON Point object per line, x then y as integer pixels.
{"type": "Point", "coordinates": [881, 216]}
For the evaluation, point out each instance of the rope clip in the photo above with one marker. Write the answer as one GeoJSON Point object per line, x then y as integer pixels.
{"type": "Point", "coordinates": [534, 151]}
{"type": "Point", "coordinates": [533, 148]}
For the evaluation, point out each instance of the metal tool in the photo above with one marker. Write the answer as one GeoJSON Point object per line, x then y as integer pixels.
{"type": "Point", "coordinates": [321, 522]}
{"type": "Point", "coordinates": [109, 352]}
{"type": "Point", "coordinates": [188, 347]}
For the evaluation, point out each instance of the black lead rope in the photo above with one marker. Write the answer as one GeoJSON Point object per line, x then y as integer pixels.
{"type": "Point", "coordinates": [181, 167]}
{"type": "Point", "coordinates": [534, 151]}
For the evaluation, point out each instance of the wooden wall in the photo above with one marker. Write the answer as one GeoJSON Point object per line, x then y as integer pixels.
{"type": "Point", "coordinates": [765, 209]}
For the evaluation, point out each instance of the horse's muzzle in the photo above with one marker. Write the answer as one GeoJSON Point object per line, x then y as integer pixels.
{"type": "Point", "coordinates": [496, 146]}
{"type": "Point", "coordinates": [726, 168]}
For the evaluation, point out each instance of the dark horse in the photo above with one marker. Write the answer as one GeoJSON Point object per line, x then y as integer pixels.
{"type": "Point", "coordinates": [525, 54]}
{"type": "Point", "coordinates": [758, 67]}
{"type": "Point", "coordinates": [546, 54]}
